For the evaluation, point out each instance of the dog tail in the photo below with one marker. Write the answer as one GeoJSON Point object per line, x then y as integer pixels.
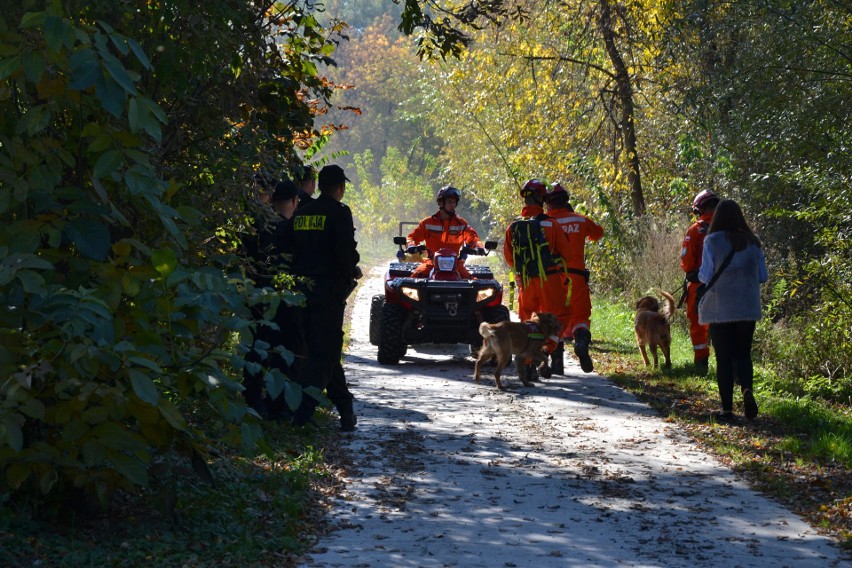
{"type": "Point", "coordinates": [670, 307]}
{"type": "Point", "coordinates": [485, 330]}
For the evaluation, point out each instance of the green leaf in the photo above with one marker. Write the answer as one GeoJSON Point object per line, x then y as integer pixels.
{"type": "Point", "coordinates": [100, 143]}
{"type": "Point", "coordinates": [85, 70]}
{"type": "Point", "coordinates": [31, 282]}
{"type": "Point", "coordinates": [144, 387]}
{"type": "Point", "coordinates": [54, 30]}
{"type": "Point", "coordinates": [34, 66]}
{"type": "Point", "coordinates": [172, 415]}
{"type": "Point", "coordinates": [33, 408]}
{"type": "Point", "coordinates": [111, 95]}
{"type": "Point", "coordinates": [16, 474]}
{"type": "Point", "coordinates": [155, 109]}
{"type": "Point", "coordinates": [140, 54]}
{"type": "Point", "coordinates": [131, 468]}
{"type": "Point", "coordinates": [108, 163]}
{"type": "Point", "coordinates": [133, 115]}
{"type": "Point", "coordinates": [19, 261]}
{"type": "Point", "coordinates": [119, 73]}
{"type": "Point", "coordinates": [114, 436]}
{"type": "Point", "coordinates": [9, 66]}
{"type": "Point", "coordinates": [91, 237]}
{"type": "Point", "coordinates": [145, 362]}
{"type": "Point", "coordinates": [14, 435]}
{"type": "Point", "coordinates": [164, 261]}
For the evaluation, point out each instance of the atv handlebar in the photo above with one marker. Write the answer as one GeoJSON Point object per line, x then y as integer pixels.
{"type": "Point", "coordinates": [463, 253]}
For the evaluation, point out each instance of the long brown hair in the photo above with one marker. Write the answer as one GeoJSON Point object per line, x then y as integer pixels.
{"type": "Point", "coordinates": [729, 217]}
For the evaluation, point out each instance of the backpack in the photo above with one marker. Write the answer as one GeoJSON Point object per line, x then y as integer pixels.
{"type": "Point", "coordinates": [530, 249]}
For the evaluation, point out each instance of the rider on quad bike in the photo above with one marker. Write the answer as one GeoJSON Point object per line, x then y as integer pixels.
{"type": "Point", "coordinates": [444, 230]}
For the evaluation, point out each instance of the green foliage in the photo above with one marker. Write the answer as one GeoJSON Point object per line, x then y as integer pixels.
{"type": "Point", "coordinates": [400, 196]}
{"type": "Point", "coordinates": [120, 177]}
{"type": "Point", "coordinates": [258, 513]}
{"type": "Point", "coordinates": [829, 434]}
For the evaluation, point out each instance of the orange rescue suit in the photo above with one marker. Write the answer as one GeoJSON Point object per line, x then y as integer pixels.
{"type": "Point", "coordinates": [452, 233]}
{"type": "Point", "coordinates": [577, 228]}
{"type": "Point", "coordinates": [690, 261]}
{"type": "Point", "coordinates": [548, 294]}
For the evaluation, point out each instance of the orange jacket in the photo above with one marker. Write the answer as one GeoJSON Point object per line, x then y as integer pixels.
{"type": "Point", "coordinates": [452, 234]}
{"type": "Point", "coordinates": [552, 233]}
{"type": "Point", "coordinates": [577, 228]}
{"type": "Point", "coordinates": [693, 242]}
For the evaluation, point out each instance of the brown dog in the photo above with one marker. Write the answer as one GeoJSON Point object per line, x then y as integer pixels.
{"type": "Point", "coordinates": [652, 327]}
{"type": "Point", "coordinates": [524, 340]}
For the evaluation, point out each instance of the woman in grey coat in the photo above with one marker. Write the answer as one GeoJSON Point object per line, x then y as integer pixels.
{"type": "Point", "coordinates": [731, 305]}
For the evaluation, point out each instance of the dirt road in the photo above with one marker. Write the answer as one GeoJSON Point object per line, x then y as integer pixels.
{"type": "Point", "coordinates": [571, 472]}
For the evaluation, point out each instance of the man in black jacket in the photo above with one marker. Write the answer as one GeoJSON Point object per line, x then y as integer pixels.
{"type": "Point", "coordinates": [325, 256]}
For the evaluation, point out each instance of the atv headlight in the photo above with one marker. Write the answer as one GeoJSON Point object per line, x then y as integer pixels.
{"type": "Point", "coordinates": [445, 263]}
{"type": "Point", "coordinates": [485, 293]}
{"type": "Point", "coordinates": [411, 293]}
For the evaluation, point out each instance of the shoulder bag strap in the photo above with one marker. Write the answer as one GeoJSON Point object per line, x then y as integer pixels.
{"type": "Point", "coordinates": [719, 272]}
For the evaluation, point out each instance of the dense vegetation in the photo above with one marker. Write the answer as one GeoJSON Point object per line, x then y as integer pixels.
{"type": "Point", "coordinates": [130, 133]}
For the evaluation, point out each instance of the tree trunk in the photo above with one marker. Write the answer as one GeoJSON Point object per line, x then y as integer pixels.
{"type": "Point", "coordinates": [624, 92]}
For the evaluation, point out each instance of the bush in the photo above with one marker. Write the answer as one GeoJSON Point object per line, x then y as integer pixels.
{"type": "Point", "coordinates": [118, 294]}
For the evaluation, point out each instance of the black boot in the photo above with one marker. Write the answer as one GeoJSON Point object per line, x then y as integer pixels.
{"type": "Point", "coordinates": [582, 340]}
{"type": "Point", "coordinates": [701, 366]}
{"type": "Point", "coordinates": [557, 361]}
{"type": "Point", "coordinates": [348, 420]}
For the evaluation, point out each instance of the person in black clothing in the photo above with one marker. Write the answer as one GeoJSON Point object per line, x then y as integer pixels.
{"type": "Point", "coordinates": [268, 260]}
{"type": "Point", "coordinates": [326, 258]}
{"type": "Point", "coordinates": [306, 180]}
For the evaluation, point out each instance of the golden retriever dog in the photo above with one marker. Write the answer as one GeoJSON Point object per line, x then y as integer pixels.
{"type": "Point", "coordinates": [652, 327]}
{"type": "Point", "coordinates": [525, 340]}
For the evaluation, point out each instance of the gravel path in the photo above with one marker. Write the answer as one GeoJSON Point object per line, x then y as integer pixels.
{"type": "Point", "coordinates": [571, 472]}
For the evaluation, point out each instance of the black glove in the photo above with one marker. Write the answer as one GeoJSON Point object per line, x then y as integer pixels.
{"type": "Point", "coordinates": [400, 254]}
{"type": "Point", "coordinates": [480, 251]}
{"type": "Point", "coordinates": [411, 250]}
{"type": "Point", "coordinates": [692, 276]}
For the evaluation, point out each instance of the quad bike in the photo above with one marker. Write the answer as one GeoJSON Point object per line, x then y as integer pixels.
{"type": "Point", "coordinates": [443, 308]}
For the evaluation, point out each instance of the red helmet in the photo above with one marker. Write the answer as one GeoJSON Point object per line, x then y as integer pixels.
{"type": "Point", "coordinates": [447, 191]}
{"type": "Point", "coordinates": [556, 190]}
{"type": "Point", "coordinates": [702, 199]}
{"type": "Point", "coordinates": [534, 187]}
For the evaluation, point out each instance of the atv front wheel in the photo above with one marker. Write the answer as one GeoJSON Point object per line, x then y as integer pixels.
{"type": "Point", "coordinates": [391, 342]}
{"type": "Point", "coordinates": [490, 315]}
{"type": "Point", "coordinates": [376, 319]}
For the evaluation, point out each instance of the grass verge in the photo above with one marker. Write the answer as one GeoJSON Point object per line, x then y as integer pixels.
{"type": "Point", "coordinates": [798, 451]}
{"type": "Point", "coordinates": [259, 512]}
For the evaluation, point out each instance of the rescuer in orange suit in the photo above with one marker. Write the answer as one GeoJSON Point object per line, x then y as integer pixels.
{"type": "Point", "coordinates": [534, 248]}
{"type": "Point", "coordinates": [577, 316]}
{"type": "Point", "coordinates": [704, 205]}
{"type": "Point", "coordinates": [444, 229]}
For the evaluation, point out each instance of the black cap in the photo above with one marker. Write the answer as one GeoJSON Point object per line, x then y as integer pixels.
{"type": "Point", "coordinates": [331, 176]}
{"type": "Point", "coordinates": [284, 190]}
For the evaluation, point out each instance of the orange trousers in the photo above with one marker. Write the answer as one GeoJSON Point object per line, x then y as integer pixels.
{"type": "Point", "coordinates": [544, 295]}
{"type": "Point", "coordinates": [578, 313]}
{"type": "Point", "coordinates": [700, 334]}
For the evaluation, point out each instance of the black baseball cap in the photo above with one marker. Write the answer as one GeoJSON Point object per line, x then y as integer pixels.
{"type": "Point", "coordinates": [331, 176]}
{"type": "Point", "coordinates": [284, 190]}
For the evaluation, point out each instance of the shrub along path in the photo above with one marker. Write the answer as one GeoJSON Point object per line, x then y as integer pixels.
{"type": "Point", "coordinates": [572, 471]}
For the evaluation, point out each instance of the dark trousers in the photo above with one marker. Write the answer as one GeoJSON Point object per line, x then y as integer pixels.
{"type": "Point", "coordinates": [732, 343]}
{"type": "Point", "coordinates": [322, 320]}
